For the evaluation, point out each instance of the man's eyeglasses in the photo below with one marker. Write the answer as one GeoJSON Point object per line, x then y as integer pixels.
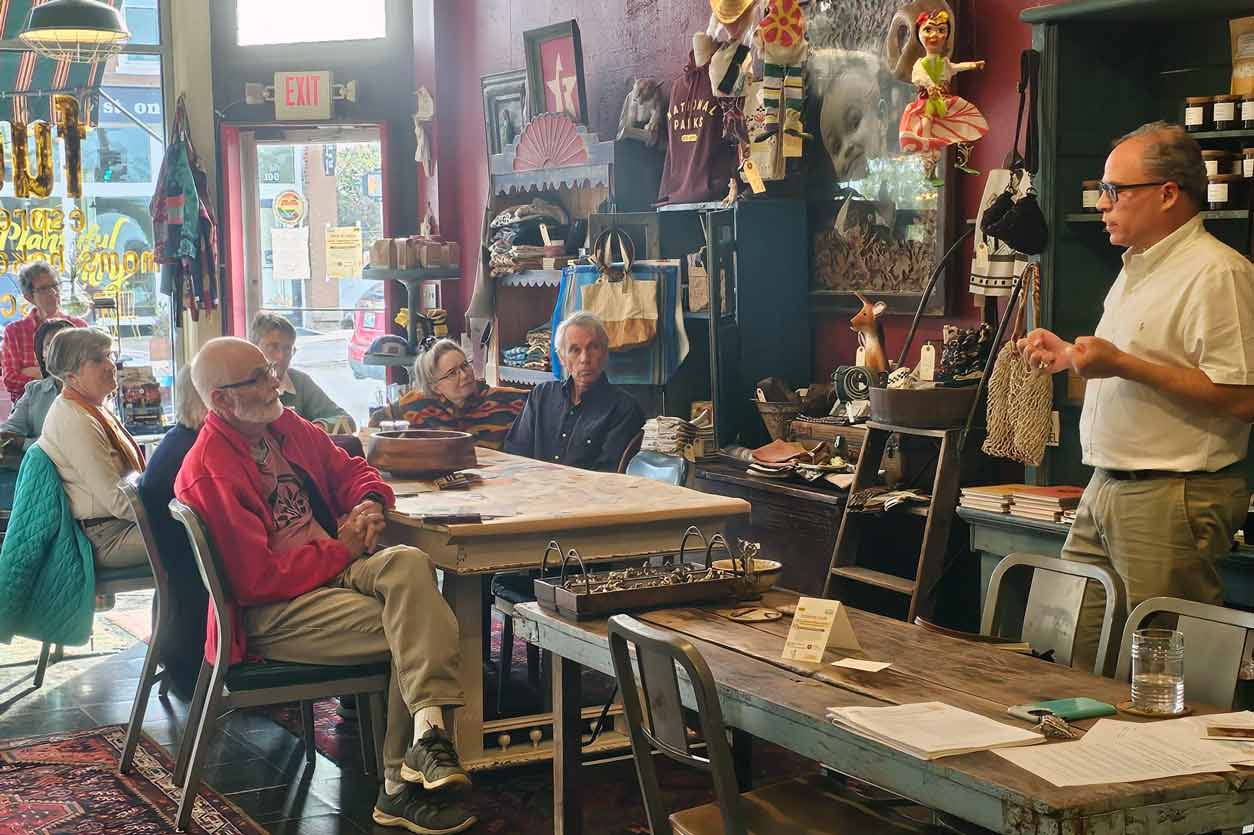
{"type": "Point", "coordinates": [1111, 190]}
{"type": "Point", "coordinates": [267, 373]}
{"type": "Point", "coordinates": [464, 368]}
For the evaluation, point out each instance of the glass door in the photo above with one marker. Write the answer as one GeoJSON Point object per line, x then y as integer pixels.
{"type": "Point", "coordinates": [313, 202]}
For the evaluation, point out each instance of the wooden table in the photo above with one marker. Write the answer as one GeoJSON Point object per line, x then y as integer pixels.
{"type": "Point", "coordinates": [601, 515]}
{"type": "Point", "coordinates": [785, 703]}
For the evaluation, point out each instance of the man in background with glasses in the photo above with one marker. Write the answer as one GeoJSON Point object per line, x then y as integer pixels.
{"type": "Point", "coordinates": [41, 286]}
{"type": "Point", "coordinates": [276, 338]}
{"type": "Point", "coordinates": [296, 524]}
{"type": "Point", "coordinates": [1170, 386]}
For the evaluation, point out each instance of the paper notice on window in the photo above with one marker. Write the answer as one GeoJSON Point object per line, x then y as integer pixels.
{"type": "Point", "coordinates": [817, 625]}
{"type": "Point", "coordinates": [290, 252]}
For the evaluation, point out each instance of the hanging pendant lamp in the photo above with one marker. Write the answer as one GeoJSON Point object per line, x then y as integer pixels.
{"type": "Point", "coordinates": [75, 30]}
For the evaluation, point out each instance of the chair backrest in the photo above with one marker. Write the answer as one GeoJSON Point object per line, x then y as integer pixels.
{"type": "Point", "coordinates": [658, 466]}
{"type": "Point", "coordinates": [662, 728]}
{"type": "Point", "coordinates": [1037, 599]}
{"type": "Point", "coordinates": [129, 486]}
{"type": "Point", "coordinates": [207, 562]}
{"type": "Point", "coordinates": [1216, 642]}
{"type": "Point", "coordinates": [630, 452]}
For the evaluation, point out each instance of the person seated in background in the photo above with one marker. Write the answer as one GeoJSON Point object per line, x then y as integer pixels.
{"type": "Point", "coordinates": [91, 449]}
{"type": "Point", "coordinates": [27, 418]}
{"type": "Point", "coordinates": [276, 338]}
{"type": "Point", "coordinates": [583, 421]}
{"type": "Point", "coordinates": [181, 650]}
{"type": "Point", "coordinates": [297, 522]}
{"type": "Point", "coordinates": [446, 395]}
{"type": "Point", "coordinates": [41, 286]}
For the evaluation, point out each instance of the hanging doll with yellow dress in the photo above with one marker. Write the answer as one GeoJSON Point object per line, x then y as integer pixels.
{"type": "Point", "coordinates": [938, 118]}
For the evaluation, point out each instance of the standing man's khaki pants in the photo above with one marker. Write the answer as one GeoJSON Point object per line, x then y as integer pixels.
{"type": "Point", "coordinates": [383, 605]}
{"type": "Point", "coordinates": [1163, 535]}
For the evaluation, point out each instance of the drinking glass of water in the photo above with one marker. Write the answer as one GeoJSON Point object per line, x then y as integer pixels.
{"type": "Point", "coordinates": [1158, 671]}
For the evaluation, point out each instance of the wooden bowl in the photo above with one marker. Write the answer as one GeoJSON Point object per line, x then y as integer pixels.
{"type": "Point", "coordinates": [765, 572]}
{"type": "Point", "coordinates": [934, 408]}
{"type": "Point", "coordinates": [421, 453]}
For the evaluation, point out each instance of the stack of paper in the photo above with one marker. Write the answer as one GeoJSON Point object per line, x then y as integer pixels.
{"type": "Point", "coordinates": [1044, 504]}
{"type": "Point", "coordinates": [1126, 752]}
{"type": "Point", "coordinates": [931, 730]}
{"type": "Point", "coordinates": [995, 498]}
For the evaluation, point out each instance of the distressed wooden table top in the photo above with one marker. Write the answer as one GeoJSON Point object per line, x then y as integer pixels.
{"type": "Point", "coordinates": [785, 702]}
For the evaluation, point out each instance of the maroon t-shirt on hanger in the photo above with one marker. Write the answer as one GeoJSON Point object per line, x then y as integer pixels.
{"type": "Point", "coordinates": [699, 162]}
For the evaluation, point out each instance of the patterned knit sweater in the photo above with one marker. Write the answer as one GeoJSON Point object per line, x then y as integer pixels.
{"type": "Point", "coordinates": [487, 414]}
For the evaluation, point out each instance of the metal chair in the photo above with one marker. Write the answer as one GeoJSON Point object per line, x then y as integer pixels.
{"type": "Point", "coordinates": [1043, 606]}
{"type": "Point", "coordinates": [1216, 641]}
{"type": "Point", "coordinates": [633, 446]}
{"type": "Point", "coordinates": [222, 688]}
{"type": "Point", "coordinates": [160, 621]}
{"type": "Point", "coordinates": [812, 805]}
{"type": "Point", "coordinates": [658, 466]}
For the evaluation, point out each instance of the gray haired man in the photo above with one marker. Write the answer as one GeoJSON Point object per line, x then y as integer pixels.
{"type": "Point", "coordinates": [276, 338]}
{"type": "Point", "coordinates": [1170, 385]}
{"type": "Point", "coordinates": [583, 421]}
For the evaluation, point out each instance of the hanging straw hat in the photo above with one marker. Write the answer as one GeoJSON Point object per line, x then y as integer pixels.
{"type": "Point", "coordinates": [729, 11]}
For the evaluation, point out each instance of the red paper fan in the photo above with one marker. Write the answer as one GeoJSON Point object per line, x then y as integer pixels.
{"type": "Point", "coordinates": [551, 140]}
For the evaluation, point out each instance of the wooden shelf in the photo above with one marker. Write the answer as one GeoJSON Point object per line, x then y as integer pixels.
{"type": "Point", "coordinates": [1224, 134]}
{"type": "Point", "coordinates": [879, 579]}
{"type": "Point", "coordinates": [526, 376]}
{"type": "Point", "coordinates": [390, 360]}
{"type": "Point", "coordinates": [416, 274]}
{"type": "Point", "coordinates": [1096, 217]}
{"type": "Point", "coordinates": [531, 278]}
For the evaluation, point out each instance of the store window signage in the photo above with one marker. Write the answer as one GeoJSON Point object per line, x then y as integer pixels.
{"type": "Point", "coordinates": [39, 234]}
{"type": "Point", "coordinates": [38, 182]}
{"type": "Point", "coordinates": [289, 207]}
{"type": "Point", "coordinates": [302, 95]}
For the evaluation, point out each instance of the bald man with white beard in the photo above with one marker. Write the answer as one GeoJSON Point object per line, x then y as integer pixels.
{"type": "Point", "coordinates": [302, 520]}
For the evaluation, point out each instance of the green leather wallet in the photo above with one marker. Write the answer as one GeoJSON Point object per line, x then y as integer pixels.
{"type": "Point", "coordinates": [1069, 709]}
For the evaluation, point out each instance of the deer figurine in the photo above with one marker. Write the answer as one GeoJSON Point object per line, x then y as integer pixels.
{"type": "Point", "coordinates": [870, 331]}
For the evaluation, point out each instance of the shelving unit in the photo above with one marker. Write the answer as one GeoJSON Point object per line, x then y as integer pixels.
{"type": "Point", "coordinates": [1096, 217]}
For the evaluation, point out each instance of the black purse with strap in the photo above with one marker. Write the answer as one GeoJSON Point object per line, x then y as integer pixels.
{"type": "Point", "coordinates": [1020, 223]}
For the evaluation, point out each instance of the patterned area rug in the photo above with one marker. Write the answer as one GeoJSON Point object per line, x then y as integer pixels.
{"type": "Point", "coordinates": [69, 783]}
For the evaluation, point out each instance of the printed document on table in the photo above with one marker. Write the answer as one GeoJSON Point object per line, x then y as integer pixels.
{"type": "Point", "coordinates": [1186, 735]}
{"type": "Point", "coordinates": [931, 730]}
{"type": "Point", "coordinates": [1127, 752]}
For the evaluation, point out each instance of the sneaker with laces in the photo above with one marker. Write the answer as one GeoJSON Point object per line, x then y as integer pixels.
{"type": "Point", "coordinates": [421, 812]}
{"type": "Point", "coordinates": [432, 762]}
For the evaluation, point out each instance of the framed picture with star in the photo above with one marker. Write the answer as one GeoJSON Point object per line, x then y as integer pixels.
{"type": "Point", "coordinates": [555, 71]}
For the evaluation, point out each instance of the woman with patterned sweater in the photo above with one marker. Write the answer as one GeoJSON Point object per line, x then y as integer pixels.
{"type": "Point", "coordinates": [446, 395]}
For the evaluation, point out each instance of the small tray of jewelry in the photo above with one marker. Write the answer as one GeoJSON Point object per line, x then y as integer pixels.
{"type": "Point", "coordinates": [674, 582]}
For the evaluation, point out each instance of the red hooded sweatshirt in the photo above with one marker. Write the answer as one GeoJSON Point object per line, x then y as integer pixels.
{"type": "Point", "coordinates": [220, 481]}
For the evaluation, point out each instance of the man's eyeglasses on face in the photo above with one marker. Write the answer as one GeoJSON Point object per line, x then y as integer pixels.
{"type": "Point", "coordinates": [263, 374]}
{"type": "Point", "coordinates": [463, 368]}
{"type": "Point", "coordinates": [1111, 190]}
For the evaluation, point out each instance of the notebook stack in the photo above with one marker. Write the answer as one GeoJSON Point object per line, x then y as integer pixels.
{"type": "Point", "coordinates": [1045, 504]}
{"type": "Point", "coordinates": [993, 498]}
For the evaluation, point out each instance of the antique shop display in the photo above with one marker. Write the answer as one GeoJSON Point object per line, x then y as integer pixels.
{"type": "Point", "coordinates": [866, 323]}
{"type": "Point", "coordinates": [774, 108]}
{"type": "Point", "coordinates": [938, 118]}
{"type": "Point", "coordinates": [644, 113]}
{"type": "Point", "coordinates": [555, 81]}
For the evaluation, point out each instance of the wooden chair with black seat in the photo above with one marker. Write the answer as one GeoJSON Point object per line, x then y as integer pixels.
{"type": "Point", "coordinates": [222, 688]}
{"type": "Point", "coordinates": [813, 805]}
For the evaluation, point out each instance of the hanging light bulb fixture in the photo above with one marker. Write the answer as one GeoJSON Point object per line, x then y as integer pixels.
{"type": "Point", "coordinates": [75, 30]}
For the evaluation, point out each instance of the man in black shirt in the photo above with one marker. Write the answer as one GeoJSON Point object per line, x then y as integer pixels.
{"type": "Point", "coordinates": [583, 421]}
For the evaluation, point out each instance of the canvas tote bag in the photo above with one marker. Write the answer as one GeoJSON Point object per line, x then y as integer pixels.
{"type": "Point", "coordinates": [627, 306]}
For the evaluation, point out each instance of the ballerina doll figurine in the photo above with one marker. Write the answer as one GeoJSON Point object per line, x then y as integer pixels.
{"type": "Point", "coordinates": [938, 118]}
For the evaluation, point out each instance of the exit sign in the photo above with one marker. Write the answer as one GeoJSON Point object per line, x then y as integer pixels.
{"type": "Point", "coordinates": [302, 95]}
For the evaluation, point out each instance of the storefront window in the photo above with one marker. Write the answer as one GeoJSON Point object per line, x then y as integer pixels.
{"type": "Point", "coordinates": [268, 22]}
{"type": "Point", "coordinates": [102, 242]}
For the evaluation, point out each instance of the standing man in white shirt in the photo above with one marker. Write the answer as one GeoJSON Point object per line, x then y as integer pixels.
{"type": "Point", "coordinates": [1170, 392]}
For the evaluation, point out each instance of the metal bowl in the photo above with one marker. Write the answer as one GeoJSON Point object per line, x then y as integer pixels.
{"type": "Point", "coordinates": [421, 453]}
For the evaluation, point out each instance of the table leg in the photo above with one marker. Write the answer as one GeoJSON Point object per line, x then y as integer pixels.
{"type": "Point", "coordinates": [464, 594]}
{"type": "Point", "coordinates": [742, 758]}
{"type": "Point", "coordinates": [567, 744]}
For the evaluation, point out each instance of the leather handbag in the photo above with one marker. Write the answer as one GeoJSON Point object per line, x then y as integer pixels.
{"type": "Point", "coordinates": [1015, 218]}
{"type": "Point", "coordinates": [627, 306]}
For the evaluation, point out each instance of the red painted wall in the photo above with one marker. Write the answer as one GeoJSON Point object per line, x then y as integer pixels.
{"type": "Point", "coordinates": [626, 38]}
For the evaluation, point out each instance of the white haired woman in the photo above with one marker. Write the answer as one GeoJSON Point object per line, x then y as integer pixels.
{"type": "Point", "coordinates": [92, 451]}
{"type": "Point", "coordinates": [583, 421]}
{"type": "Point", "coordinates": [446, 395]}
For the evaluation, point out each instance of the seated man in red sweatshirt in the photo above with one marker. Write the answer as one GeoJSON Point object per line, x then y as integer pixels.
{"type": "Point", "coordinates": [296, 522]}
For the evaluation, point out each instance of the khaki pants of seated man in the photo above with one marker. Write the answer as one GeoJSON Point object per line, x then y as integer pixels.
{"type": "Point", "coordinates": [116, 543]}
{"type": "Point", "coordinates": [383, 605]}
{"type": "Point", "coordinates": [1163, 536]}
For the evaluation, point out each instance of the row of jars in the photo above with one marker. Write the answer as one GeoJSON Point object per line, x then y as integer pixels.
{"type": "Point", "coordinates": [1223, 112]}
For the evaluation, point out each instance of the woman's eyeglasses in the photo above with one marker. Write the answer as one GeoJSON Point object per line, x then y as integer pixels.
{"type": "Point", "coordinates": [464, 368]}
{"type": "Point", "coordinates": [267, 373]}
